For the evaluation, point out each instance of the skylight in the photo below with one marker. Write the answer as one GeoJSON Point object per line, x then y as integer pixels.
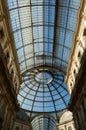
{"type": "Point", "coordinates": [43, 35]}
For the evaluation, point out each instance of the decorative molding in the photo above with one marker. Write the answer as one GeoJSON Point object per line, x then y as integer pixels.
{"type": "Point", "coordinates": [77, 51]}
{"type": "Point", "coordinates": [7, 44]}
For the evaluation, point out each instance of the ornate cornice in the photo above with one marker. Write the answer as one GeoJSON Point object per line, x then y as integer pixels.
{"type": "Point", "coordinates": [7, 44]}
{"type": "Point", "coordinates": [78, 49]}
{"type": "Point", "coordinates": [6, 84]}
{"type": "Point", "coordinates": [79, 90]}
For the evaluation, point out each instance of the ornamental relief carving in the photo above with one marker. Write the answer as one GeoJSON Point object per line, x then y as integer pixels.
{"type": "Point", "coordinates": [7, 49]}
{"type": "Point", "coordinates": [75, 63]}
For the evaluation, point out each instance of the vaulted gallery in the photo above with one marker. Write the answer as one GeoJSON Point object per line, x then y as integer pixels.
{"type": "Point", "coordinates": [42, 64]}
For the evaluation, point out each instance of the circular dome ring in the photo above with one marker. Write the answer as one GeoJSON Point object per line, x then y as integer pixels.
{"type": "Point", "coordinates": [43, 91]}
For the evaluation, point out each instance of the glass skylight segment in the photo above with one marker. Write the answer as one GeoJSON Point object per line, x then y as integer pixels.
{"type": "Point", "coordinates": [62, 16]}
{"type": "Point", "coordinates": [68, 39]}
{"type": "Point", "coordinates": [18, 40]}
{"type": "Point", "coordinates": [25, 17]}
{"type": "Point", "coordinates": [27, 36]}
{"type": "Point", "coordinates": [48, 33]}
{"type": "Point", "coordinates": [14, 19]}
{"type": "Point", "coordinates": [36, 2]}
{"type": "Point", "coordinates": [72, 16]}
{"type": "Point", "coordinates": [63, 2]}
{"type": "Point", "coordinates": [23, 3]}
{"type": "Point", "coordinates": [66, 54]}
{"type": "Point", "coordinates": [12, 4]}
{"type": "Point", "coordinates": [37, 15]}
{"type": "Point", "coordinates": [60, 35]}
{"type": "Point", "coordinates": [59, 50]}
{"type": "Point", "coordinates": [37, 25]}
{"type": "Point", "coordinates": [75, 3]}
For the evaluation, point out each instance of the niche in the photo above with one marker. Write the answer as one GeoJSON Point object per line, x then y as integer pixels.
{"type": "Point", "coordinates": [74, 72]}
{"type": "Point", "coordinates": [79, 54]}
{"type": "Point", "coordinates": [84, 33]}
{"type": "Point", "coordinates": [1, 33]}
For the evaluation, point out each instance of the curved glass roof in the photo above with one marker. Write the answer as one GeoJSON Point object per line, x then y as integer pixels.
{"type": "Point", "coordinates": [43, 34]}
{"type": "Point", "coordinates": [43, 31]}
{"type": "Point", "coordinates": [43, 123]}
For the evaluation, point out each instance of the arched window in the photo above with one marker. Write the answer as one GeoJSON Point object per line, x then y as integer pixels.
{"type": "Point", "coordinates": [69, 128]}
{"type": "Point", "coordinates": [17, 128]}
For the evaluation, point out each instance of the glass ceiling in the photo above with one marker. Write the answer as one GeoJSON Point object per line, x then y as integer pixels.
{"type": "Point", "coordinates": [43, 34]}
{"type": "Point", "coordinates": [43, 123]}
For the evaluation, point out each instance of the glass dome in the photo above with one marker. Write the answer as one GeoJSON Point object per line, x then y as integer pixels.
{"type": "Point", "coordinates": [43, 91]}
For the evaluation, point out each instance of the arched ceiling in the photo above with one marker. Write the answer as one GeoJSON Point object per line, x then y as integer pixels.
{"type": "Point", "coordinates": [43, 123]}
{"type": "Point", "coordinates": [43, 35]}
